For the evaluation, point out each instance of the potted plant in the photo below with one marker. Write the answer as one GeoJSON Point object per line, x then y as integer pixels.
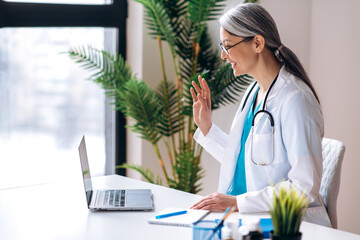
{"type": "Point", "coordinates": [165, 114]}
{"type": "Point", "coordinates": [287, 212]}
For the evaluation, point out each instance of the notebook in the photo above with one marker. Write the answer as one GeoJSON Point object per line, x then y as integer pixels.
{"type": "Point", "coordinates": [112, 199]}
{"type": "Point", "coordinates": [184, 220]}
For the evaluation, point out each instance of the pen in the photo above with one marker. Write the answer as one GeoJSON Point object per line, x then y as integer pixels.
{"type": "Point", "coordinates": [170, 214]}
{"type": "Point", "coordinates": [226, 214]}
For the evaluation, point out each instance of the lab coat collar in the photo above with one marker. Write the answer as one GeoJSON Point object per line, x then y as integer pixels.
{"type": "Point", "coordinates": [282, 77]}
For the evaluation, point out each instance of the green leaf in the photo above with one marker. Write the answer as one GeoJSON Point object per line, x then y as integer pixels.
{"type": "Point", "coordinates": [201, 11]}
{"type": "Point", "coordinates": [176, 9]}
{"type": "Point", "coordinates": [287, 211]}
{"type": "Point", "coordinates": [142, 104]}
{"type": "Point", "coordinates": [188, 172]}
{"type": "Point", "coordinates": [169, 118]}
{"type": "Point", "coordinates": [109, 71]}
{"type": "Point", "coordinates": [158, 21]}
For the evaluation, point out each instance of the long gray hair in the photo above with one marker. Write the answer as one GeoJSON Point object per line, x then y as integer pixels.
{"type": "Point", "coordinates": [250, 19]}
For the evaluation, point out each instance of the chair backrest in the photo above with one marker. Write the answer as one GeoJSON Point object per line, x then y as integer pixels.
{"type": "Point", "coordinates": [333, 154]}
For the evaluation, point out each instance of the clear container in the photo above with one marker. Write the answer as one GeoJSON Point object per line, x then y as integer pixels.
{"type": "Point", "coordinates": [204, 230]}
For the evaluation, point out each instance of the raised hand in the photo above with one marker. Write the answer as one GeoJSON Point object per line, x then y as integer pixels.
{"type": "Point", "coordinates": [202, 105]}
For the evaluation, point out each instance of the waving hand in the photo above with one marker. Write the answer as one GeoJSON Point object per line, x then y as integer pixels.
{"type": "Point", "coordinates": [202, 105]}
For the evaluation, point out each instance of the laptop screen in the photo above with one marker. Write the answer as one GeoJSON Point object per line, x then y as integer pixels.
{"type": "Point", "coordinates": [85, 170]}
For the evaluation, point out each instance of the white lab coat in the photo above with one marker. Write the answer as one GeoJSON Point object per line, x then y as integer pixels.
{"type": "Point", "coordinates": [298, 131]}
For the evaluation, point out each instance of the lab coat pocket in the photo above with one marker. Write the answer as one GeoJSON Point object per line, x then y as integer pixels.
{"type": "Point", "coordinates": [264, 142]}
{"type": "Point", "coordinates": [262, 148]}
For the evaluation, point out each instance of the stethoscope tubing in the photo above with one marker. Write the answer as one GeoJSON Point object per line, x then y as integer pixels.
{"type": "Point", "coordinates": [253, 122]}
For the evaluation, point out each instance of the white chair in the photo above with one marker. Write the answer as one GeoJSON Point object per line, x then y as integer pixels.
{"type": "Point", "coordinates": [333, 154]}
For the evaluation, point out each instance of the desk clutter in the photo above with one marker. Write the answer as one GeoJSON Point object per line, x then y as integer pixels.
{"type": "Point", "coordinates": [218, 229]}
{"type": "Point", "coordinates": [240, 229]}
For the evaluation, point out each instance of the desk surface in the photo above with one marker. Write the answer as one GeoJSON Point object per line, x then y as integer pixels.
{"type": "Point", "coordinates": [59, 211]}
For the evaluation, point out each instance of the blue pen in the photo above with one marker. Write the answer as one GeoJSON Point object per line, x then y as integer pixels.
{"type": "Point", "coordinates": [170, 214]}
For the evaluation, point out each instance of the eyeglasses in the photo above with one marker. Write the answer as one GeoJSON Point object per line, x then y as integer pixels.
{"type": "Point", "coordinates": [226, 49]}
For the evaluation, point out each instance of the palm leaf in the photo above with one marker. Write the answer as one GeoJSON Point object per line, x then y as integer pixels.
{"type": "Point", "coordinates": [188, 172]}
{"type": "Point", "coordinates": [158, 21]}
{"type": "Point", "coordinates": [176, 9]}
{"type": "Point", "coordinates": [184, 39]}
{"type": "Point", "coordinates": [225, 87]}
{"type": "Point", "coordinates": [201, 11]}
{"type": "Point", "coordinates": [209, 59]}
{"type": "Point", "coordinates": [142, 104]}
{"type": "Point", "coordinates": [109, 71]}
{"type": "Point", "coordinates": [169, 118]}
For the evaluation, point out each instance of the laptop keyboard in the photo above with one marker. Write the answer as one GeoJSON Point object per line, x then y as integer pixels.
{"type": "Point", "coordinates": [111, 198]}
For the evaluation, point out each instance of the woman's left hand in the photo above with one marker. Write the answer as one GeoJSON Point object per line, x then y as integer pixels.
{"type": "Point", "coordinates": [216, 201]}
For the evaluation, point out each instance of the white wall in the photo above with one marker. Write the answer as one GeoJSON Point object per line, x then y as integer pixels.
{"type": "Point", "coordinates": [325, 34]}
{"type": "Point", "coordinates": [335, 71]}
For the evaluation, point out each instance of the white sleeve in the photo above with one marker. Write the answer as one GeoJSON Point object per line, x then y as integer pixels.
{"type": "Point", "coordinates": [214, 142]}
{"type": "Point", "coordinates": [302, 132]}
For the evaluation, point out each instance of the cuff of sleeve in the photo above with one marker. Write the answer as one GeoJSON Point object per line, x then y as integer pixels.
{"type": "Point", "coordinates": [201, 139]}
{"type": "Point", "coordinates": [252, 203]}
{"type": "Point", "coordinates": [240, 201]}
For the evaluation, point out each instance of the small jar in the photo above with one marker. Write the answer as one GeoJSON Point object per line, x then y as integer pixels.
{"type": "Point", "coordinates": [228, 232]}
{"type": "Point", "coordinates": [254, 230]}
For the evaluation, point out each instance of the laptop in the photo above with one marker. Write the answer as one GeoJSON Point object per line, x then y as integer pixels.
{"type": "Point", "coordinates": [112, 199]}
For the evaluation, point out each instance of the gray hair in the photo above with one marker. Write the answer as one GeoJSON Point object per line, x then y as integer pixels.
{"type": "Point", "coordinates": [250, 19]}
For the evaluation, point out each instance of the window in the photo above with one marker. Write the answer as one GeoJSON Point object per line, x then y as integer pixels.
{"type": "Point", "coordinates": [45, 102]}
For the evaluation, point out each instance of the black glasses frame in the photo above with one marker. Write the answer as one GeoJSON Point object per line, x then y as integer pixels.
{"type": "Point", "coordinates": [226, 49]}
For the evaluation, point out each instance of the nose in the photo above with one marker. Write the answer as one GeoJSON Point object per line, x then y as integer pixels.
{"type": "Point", "coordinates": [223, 55]}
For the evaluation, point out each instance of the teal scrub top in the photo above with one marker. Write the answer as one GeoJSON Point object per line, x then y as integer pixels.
{"type": "Point", "coordinates": [238, 185]}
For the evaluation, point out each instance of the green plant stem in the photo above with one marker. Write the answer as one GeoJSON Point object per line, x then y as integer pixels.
{"type": "Point", "coordinates": [161, 162]}
{"type": "Point", "coordinates": [170, 157]}
{"type": "Point", "coordinates": [166, 97]}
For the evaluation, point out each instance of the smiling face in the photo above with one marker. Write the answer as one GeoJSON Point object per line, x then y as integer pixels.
{"type": "Point", "coordinates": [243, 57]}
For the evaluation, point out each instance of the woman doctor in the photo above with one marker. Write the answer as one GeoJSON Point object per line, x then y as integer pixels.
{"type": "Point", "coordinates": [275, 137]}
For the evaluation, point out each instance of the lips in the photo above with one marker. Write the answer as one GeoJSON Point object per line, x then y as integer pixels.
{"type": "Point", "coordinates": [233, 64]}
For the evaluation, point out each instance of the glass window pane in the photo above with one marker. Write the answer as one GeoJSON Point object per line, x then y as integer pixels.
{"type": "Point", "coordinates": [97, 2]}
{"type": "Point", "coordinates": [46, 105]}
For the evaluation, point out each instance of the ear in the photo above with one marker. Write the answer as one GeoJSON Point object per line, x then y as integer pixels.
{"type": "Point", "coordinates": [259, 43]}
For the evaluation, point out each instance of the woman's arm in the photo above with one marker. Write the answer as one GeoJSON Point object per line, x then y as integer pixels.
{"type": "Point", "coordinates": [208, 134]}
{"type": "Point", "coordinates": [214, 142]}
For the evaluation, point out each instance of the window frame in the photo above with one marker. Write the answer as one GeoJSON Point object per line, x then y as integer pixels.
{"type": "Point", "coordinates": [16, 14]}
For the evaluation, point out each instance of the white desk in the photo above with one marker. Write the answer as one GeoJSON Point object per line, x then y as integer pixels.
{"type": "Point", "coordinates": [59, 211]}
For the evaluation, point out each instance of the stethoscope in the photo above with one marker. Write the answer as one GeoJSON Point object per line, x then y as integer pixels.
{"type": "Point", "coordinates": [269, 116]}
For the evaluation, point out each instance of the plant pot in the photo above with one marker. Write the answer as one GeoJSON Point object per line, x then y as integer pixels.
{"type": "Point", "coordinates": [292, 237]}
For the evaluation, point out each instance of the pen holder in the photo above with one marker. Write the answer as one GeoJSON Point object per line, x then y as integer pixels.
{"type": "Point", "coordinates": [204, 230]}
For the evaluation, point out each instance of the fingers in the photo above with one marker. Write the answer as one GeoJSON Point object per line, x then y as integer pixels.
{"type": "Point", "coordinates": [205, 90]}
{"type": "Point", "coordinates": [203, 204]}
{"type": "Point", "coordinates": [199, 95]}
{"type": "Point", "coordinates": [193, 94]}
{"type": "Point", "coordinates": [197, 88]}
{"type": "Point", "coordinates": [216, 201]}
{"type": "Point", "coordinates": [206, 201]}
